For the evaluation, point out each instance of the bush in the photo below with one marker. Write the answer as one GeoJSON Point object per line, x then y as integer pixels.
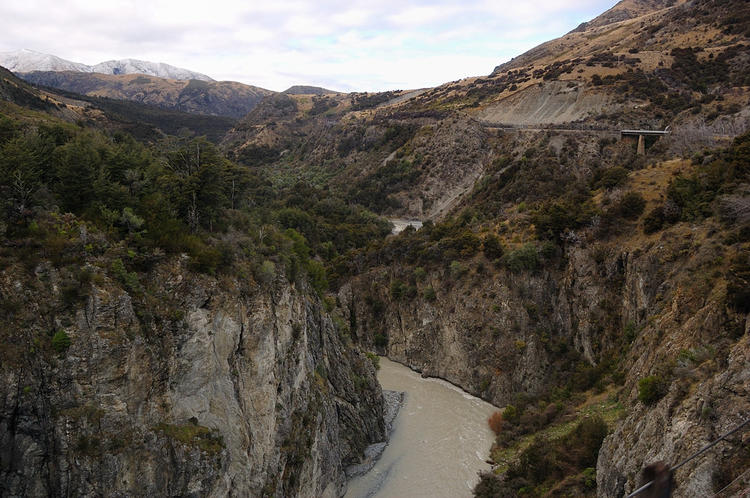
{"type": "Point", "coordinates": [650, 389]}
{"type": "Point", "coordinates": [266, 272]}
{"type": "Point", "coordinates": [631, 205]}
{"type": "Point", "coordinates": [316, 273]}
{"type": "Point", "coordinates": [381, 340]}
{"type": "Point", "coordinates": [496, 422]}
{"type": "Point", "coordinates": [398, 289]}
{"type": "Point", "coordinates": [738, 285]}
{"type": "Point", "coordinates": [129, 279]}
{"type": "Point", "coordinates": [457, 269]}
{"type": "Point", "coordinates": [374, 359]}
{"type": "Point", "coordinates": [511, 414]}
{"type": "Point", "coordinates": [60, 341]}
{"type": "Point", "coordinates": [654, 220]}
{"type": "Point", "coordinates": [584, 442]}
{"type": "Point", "coordinates": [630, 332]}
{"type": "Point", "coordinates": [523, 258]}
{"type": "Point", "coordinates": [547, 460]}
{"type": "Point", "coordinates": [492, 247]}
{"type": "Point", "coordinates": [611, 177]}
{"type": "Point", "coordinates": [429, 294]}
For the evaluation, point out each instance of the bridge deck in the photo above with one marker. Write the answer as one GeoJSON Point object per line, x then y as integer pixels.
{"type": "Point", "coordinates": [644, 132]}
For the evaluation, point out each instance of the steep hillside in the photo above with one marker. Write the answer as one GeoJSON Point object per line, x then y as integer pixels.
{"type": "Point", "coordinates": [145, 122]}
{"type": "Point", "coordinates": [14, 91]}
{"type": "Point", "coordinates": [634, 67]}
{"type": "Point", "coordinates": [395, 163]}
{"type": "Point", "coordinates": [212, 98]}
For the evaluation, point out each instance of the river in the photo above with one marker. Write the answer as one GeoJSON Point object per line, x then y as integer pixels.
{"type": "Point", "coordinates": [439, 443]}
{"type": "Point", "coordinates": [399, 224]}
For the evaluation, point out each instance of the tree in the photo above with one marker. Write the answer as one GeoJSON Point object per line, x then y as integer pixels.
{"type": "Point", "coordinates": [76, 165]}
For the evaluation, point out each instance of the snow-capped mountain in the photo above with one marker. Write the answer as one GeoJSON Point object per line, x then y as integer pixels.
{"type": "Point", "coordinates": [159, 69]}
{"type": "Point", "coordinates": [26, 61]}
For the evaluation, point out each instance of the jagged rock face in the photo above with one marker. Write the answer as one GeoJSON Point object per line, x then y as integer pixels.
{"type": "Point", "coordinates": [680, 425]}
{"type": "Point", "coordinates": [498, 334]}
{"type": "Point", "coordinates": [239, 395]}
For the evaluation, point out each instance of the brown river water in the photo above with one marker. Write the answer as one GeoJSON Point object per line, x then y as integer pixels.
{"type": "Point", "coordinates": [439, 443]}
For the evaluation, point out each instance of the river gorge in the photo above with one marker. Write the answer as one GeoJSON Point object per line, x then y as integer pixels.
{"type": "Point", "coordinates": [439, 443]}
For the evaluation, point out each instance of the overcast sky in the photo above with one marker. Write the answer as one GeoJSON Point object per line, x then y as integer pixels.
{"type": "Point", "coordinates": [344, 45]}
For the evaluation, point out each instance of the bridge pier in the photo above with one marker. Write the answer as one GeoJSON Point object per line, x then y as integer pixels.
{"type": "Point", "coordinates": [641, 134]}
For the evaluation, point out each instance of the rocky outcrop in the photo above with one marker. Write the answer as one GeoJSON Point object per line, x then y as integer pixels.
{"type": "Point", "coordinates": [553, 102]}
{"type": "Point", "coordinates": [206, 388]}
{"type": "Point", "coordinates": [680, 425]}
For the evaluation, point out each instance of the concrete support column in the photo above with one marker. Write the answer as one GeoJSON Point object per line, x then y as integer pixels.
{"type": "Point", "coordinates": [641, 145]}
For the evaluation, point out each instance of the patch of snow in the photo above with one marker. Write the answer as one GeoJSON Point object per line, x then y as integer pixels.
{"type": "Point", "coordinates": [26, 61]}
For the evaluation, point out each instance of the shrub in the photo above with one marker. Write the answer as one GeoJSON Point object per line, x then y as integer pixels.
{"type": "Point", "coordinates": [584, 442]}
{"type": "Point", "coordinates": [316, 273]}
{"type": "Point", "coordinates": [192, 434]}
{"type": "Point", "coordinates": [546, 460]}
{"type": "Point", "coordinates": [398, 289]}
{"type": "Point", "coordinates": [205, 259]}
{"type": "Point", "coordinates": [129, 279]}
{"type": "Point", "coordinates": [429, 294]}
{"type": "Point", "coordinates": [738, 285]}
{"type": "Point", "coordinates": [374, 359]}
{"type": "Point", "coordinates": [511, 414]}
{"type": "Point", "coordinates": [631, 205]}
{"type": "Point", "coordinates": [60, 341]}
{"type": "Point", "coordinates": [654, 220]}
{"type": "Point", "coordinates": [457, 269]}
{"type": "Point", "coordinates": [492, 247]}
{"type": "Point", "coordinates": [381, 340]}
{"type": "Point", "coordinates": [553, 219]}
{"type": "Point", "coordinates": [650, 389]}
{"type": "Point", "coordinates": [630, 331]}
{"type": "Point", "coordinates": [589, 478]}
{"type": "Point", "coordinates": [496, 422]}
{"type": "Point", "coordinates": [611, 177]}
{"type": "Point", "coordinates": [523, 258]}
{"type": "Point", "coordinates": [266, 272]}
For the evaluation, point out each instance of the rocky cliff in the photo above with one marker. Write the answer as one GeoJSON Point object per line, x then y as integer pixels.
{"type": "Point", "coordinates": [612, 312]}
{"type": "Point", "coordinates": [214, 387]}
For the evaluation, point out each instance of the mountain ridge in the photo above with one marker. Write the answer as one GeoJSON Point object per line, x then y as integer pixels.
{"type": "Point", "coordinates": [211, 98]}
{"type": "Point", "coordinates": [25, 60]}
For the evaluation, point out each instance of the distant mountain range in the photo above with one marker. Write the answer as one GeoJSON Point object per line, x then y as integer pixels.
{"type": "Point", "coordinates": [26, 61]}
{"type": "Point", "coordinates": [307, 90]}
{"type": "Point", "coordinates": [212, 98]}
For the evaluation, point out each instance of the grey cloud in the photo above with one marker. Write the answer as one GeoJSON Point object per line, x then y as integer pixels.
{"type": "Point", "coordinates": [213, 45]}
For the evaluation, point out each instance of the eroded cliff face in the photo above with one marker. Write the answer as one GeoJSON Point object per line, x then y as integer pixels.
{"type": "Point", "coordinates": [657, 305]}
{"type": "Point", "coordinates": [209, 387]}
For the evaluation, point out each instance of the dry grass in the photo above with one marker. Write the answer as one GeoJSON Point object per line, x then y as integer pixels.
{"type": "Point", "coordinates": [652, 182]}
